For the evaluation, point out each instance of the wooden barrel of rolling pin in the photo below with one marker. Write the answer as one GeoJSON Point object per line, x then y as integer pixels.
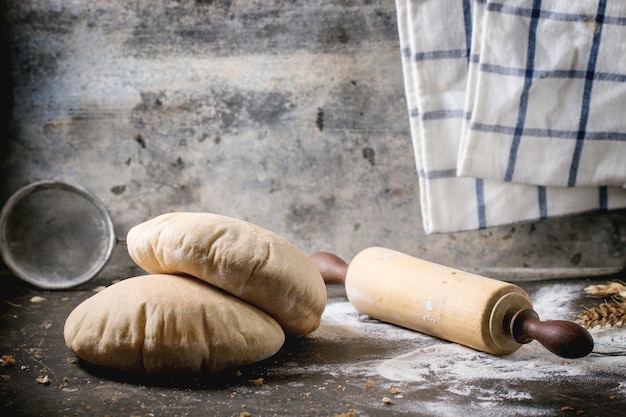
{"type": "Point", "coordinates": [483, 313]}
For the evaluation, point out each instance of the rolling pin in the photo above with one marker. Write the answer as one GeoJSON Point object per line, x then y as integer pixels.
{"type": "Point", "coordinates": [483, 313]}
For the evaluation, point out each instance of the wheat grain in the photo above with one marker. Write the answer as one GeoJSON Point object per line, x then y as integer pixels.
{"type": "Point", "coordinates": [611, 314]}
{"type": "Point", "coordinates": [610, 289]}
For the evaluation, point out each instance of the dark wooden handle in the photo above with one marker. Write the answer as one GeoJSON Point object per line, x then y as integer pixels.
{"type": "Point", "coordinates": [560, 337]}
{"type": "Point", "coordinates": [332, 267]}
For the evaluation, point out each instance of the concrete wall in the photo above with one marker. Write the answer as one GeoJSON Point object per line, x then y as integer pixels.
{"type": "Point", "coordinates": [288, 114]}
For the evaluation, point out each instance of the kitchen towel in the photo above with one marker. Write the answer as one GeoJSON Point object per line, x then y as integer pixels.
{"type": "Point", "coordinates": [549, 93]}
{"type": "Point", "coordinates": [441, 43]}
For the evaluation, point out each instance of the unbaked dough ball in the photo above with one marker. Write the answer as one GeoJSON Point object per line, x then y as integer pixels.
{"type": "Point", "coordinates": [246, 260]}
{"type": "Point", "coordinates": [161, 324]}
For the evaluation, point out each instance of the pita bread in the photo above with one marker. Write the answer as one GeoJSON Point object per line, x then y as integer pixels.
{"type": "Point", "coordinates": [161, 324]}
{"type": "Point", "coordinates": [248, 261]}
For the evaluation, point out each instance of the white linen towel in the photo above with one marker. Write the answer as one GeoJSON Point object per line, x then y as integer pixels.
{"type": "Point", "coordinates": [437, 39]}
{"type": "Point", "coordinates": [549, 93]}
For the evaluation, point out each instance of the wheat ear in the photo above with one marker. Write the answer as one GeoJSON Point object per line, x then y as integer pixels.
{"type": "Point", "coordinates": [610, 289]}
{"type": "Point", "coordinates": [611, 314]}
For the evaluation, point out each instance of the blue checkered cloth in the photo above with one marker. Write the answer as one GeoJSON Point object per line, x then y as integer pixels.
{"type": "Point", "coordinates": [515, 108]}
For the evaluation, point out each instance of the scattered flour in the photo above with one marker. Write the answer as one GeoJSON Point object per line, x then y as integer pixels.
{"type": "Point", "coordinates": [341, 321]}
{"type": "Point", "coordinates": [458, 364]}
{"type": "Point", "coordinates": [554, 302]}
{"type": "Point", "coordinates": [425, 362]}
{"type": "Point", "coordinates": [532, 362]}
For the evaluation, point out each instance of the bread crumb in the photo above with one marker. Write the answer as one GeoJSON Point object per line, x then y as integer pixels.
{"type": "Point", "coordinates": [37, 299]}
{"type": "Point", "coordinates": [369, 383]}
{"type": "Point", "coordinates": [393, 390]}
{"type": "Point", "coordinates": [387, 400]}
{"type": "Point", "coordinates": [7, 361]}
{"type": "Point", "coordinates": [43, 380]}
{"type": "Point", "coordinates": [258, 382]}
{"type": "Point", "coordinates": [350, 413]}
{"type": "Point", "coordinates": [567, 408]}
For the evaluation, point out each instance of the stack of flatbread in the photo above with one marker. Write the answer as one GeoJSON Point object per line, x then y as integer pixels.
{"type": "Point", "coordinates": [219, 293]}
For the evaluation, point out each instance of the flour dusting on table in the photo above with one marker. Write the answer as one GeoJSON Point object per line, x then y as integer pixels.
{"type": "Point", "coordinates": [424, 362]}
{"type": "Point", "coordinates": [530, 362]}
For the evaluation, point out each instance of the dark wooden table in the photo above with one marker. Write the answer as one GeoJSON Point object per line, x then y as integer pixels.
{"type": "Point", "coordinates": [345, 368]}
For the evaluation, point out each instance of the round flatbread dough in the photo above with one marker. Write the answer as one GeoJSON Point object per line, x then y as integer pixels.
{"type": "Point", "coordinates": [246, 260]}
{"type": "Point", "coordinates": [161, 324]}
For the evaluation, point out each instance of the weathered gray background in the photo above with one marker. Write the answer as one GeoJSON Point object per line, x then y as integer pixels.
{"type": "Point", "coordinates": [288, 114]}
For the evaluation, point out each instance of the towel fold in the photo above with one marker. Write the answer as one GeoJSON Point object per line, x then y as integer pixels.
{"type": "Point", "coordinates": [462, 168]}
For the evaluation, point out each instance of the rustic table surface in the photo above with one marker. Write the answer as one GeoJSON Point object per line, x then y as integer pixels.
{"type": "Point", "coordinates": [351, 366]}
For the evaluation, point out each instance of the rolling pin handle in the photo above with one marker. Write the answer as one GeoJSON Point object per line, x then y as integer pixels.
{"type": "Point", "coordinates": [563, 338]}
{"type": "Point", "coordinates": [332, 268]}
